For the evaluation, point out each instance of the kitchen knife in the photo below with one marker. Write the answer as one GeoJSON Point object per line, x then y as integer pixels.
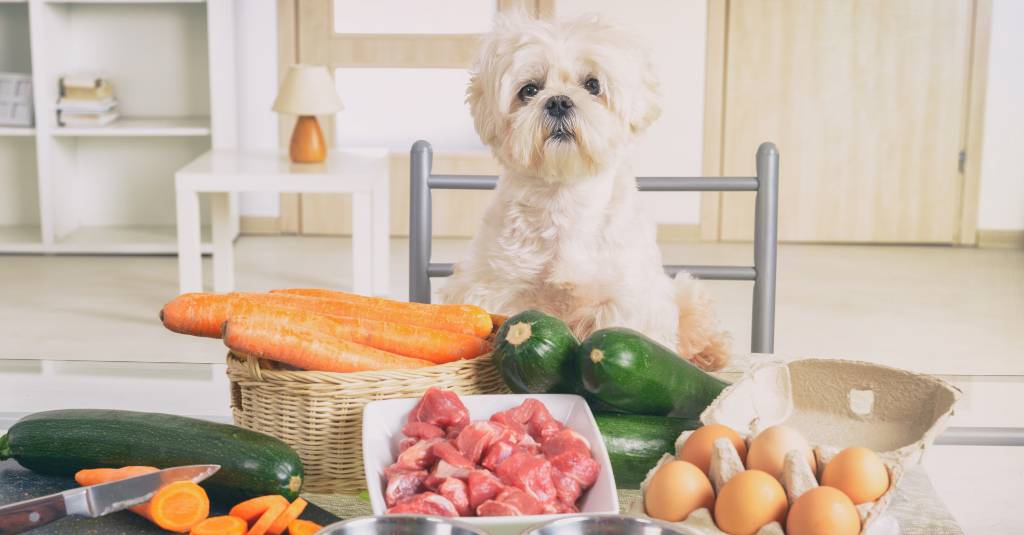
{"type": "Point", "coordinates": [95, 500]}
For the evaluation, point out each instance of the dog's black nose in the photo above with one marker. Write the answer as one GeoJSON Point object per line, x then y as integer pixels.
{"type": "Point", "coordinates": [558, 106]}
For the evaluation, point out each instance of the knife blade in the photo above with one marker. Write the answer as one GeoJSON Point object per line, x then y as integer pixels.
{"type": "Point", "coordinates": [95, 500]}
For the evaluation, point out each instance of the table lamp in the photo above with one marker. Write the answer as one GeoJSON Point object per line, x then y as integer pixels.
{"type": "Point", "coordinates": [307, 91]}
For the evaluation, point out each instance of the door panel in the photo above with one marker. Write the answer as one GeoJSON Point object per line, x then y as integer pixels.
{"type": "Point", "coordinates": [865, 100]}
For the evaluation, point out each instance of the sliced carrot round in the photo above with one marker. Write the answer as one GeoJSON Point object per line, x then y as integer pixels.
{"type": "Point", "coordinates": [179, 506]}
{"type": "Point", "coordinates": [269, 516]}
{"type": "Point", "coordinates": [220, 525]}
{"type": "Point", "coordinates": [303, 527]}
{"type": "Point", "coordinates": [252, 509]}
{"type": "Point", "coordinates": [291, 513]}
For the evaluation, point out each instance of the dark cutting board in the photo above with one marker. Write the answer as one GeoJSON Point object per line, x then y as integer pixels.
{"type": "Point", "coordinates": [17, 483]}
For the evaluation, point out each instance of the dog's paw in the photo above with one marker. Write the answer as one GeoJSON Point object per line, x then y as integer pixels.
{"type": "Point", "coordinates": [715, 354]}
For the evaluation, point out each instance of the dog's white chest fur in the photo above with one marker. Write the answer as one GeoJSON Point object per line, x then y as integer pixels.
{"type": "Point", "coordinates": [580, 250]}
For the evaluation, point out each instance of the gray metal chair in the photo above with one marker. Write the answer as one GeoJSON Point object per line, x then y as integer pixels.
{"type": "Point", "coordinates": [765, 183]}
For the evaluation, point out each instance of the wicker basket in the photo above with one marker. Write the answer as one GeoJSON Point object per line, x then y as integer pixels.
{"type": "Point", "coordinates": [320, 414]}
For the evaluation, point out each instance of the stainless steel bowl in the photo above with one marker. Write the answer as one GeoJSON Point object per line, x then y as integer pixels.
{"type": "Point", "coordinates": [604, 525]}
{"type": "Point", "coordinates": [400, 525]}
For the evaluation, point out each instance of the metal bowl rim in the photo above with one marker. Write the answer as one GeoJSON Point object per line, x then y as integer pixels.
{"type": "Point", "coordinates": [571, 520]}
{"type": "Point", "coordinates": [425, 519]}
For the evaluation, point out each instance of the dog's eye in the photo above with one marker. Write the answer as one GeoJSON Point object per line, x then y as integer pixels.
{"type": "Point", "coordinates": [592, 86]}
{"type": "Point", "coordinates": [527, 92]}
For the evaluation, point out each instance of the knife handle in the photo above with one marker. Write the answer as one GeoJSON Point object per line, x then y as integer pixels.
{"type": "Point", "coordinates": [29, 514]}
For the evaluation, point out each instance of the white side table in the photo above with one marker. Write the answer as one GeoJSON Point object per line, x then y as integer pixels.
{"type": "Point", "coordinates": [219, 173]}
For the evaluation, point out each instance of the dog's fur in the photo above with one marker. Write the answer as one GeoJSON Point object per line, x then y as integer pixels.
{"type": "Point", "coordinates": [565, 233]}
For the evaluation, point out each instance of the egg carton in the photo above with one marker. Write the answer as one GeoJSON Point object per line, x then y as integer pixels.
{"type": "Point", "coordinates": [797, 478]}
{"type": "Point", "coordinates": [834, 404]}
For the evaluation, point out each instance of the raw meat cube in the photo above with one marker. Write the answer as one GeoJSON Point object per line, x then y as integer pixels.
{"type": "Point", "coordinates": [483, 485]}
{"type": "Point", "coordinates": [447, 452]}
{"type": "Point", "coordinates": [531, 473]}
{"type": "Point", "coordinates": [422, 430]}
{"type": "Point", "coordinates": [531, 417]}
{"type": "Point", "coordinates": [565, 440]}
{"type": "Point", "coordinates": [476, 438]}
{"type": "Point", "coordinates": [577, 465]}
{"type": "Point", "coordinates": [441, 408]}
{"type": "Point", "coordinates": [418, 456]}
{"type": "Point", "coordinates": [497, 454]}
{"type": "Point", "coordinates": [567, 488]}
{"type": "Point", "coordinates": [424, 503]}
{"type": "Point", "coordinates": [402, 484]}
{"type": "Point", "coordinates": [443, 470]}
{"type": "Point", "coordinates": [510, 501]}
{"type": "Point", "coordinates": [515, 437]}
{"type": "Point", "coordinates": [457, 493]}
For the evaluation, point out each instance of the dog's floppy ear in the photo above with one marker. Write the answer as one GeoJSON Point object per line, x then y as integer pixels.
{"type": "Point", "coordinates": [645, 107]}
{"type": "Point", "coordinates": [485, 80]}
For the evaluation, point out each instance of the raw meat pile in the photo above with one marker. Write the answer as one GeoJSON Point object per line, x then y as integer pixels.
{"type": "Point", "coordinates": [520, 462]}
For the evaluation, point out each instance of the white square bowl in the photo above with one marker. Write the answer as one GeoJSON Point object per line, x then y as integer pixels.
{"type": "Point", "coordinates": [382, 431]}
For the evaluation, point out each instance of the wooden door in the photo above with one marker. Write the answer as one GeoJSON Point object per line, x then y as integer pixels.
{"type": "Point", "coordinates": [866, 100]}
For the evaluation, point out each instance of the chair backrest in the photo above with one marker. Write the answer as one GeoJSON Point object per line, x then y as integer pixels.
{"type": "Point", "coordinates": [765, 184]}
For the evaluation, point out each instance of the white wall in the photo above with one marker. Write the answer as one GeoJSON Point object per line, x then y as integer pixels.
{"type": "Point", "coordinates": [256, 65]}
{"type": "Point", "coordinates": [1001, 205]}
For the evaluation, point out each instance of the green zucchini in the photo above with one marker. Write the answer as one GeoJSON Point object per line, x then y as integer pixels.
{"type": "Point", "coordinates": [534, 352]}
{"type": "Point", "coordinates": [636, 443]}
{"type": "Point", "coordinates": [634, 374]}
{"type": "Point", "coordinates": [62, 442]}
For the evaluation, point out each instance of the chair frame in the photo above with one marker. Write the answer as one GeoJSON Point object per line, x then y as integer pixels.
{"type": "Point", "coordinates": [766, 214]}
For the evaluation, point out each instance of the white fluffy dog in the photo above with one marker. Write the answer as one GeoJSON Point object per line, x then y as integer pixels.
{"type": "Point", "coordinates": [560, 105]}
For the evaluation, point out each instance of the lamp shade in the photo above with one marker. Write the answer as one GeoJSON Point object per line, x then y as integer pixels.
{"type": "Point", "coordinates": [308, 90]}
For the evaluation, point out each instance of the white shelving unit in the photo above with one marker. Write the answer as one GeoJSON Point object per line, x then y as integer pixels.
{"type": "Point", "coordinates": [110, 190]}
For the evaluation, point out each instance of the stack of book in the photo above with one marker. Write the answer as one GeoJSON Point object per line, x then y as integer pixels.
{"type": "Point", "coordinates": [85, 101]}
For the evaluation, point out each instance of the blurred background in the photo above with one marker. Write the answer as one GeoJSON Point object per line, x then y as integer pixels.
{"type": "Point", "coordinates": [901, 204]}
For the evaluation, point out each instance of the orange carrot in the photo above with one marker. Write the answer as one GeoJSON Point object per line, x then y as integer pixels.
{"type": "Point", "coordinates": [282, 341]}
{"type": "Point", "coordinates": [468, 319]}
{"type": "Point", "coordinates": [267, 518]}
{"type": "Point", "coordinates": [250, 510]}
{"type": "Point", "coordinates": [291, 513]}
{"type": "Point", "coordinates": [175, 507]}
{"type": "Point", "coordinates": [95, 476]}
{"type": "Point", "coordinates": [303, 527]}
{"type": "Point", "coordinates": [220, 525]}
{"type": "Point", "coordinates": [406, 340]}
{"type": "Point", "coordinates": [202, 314]}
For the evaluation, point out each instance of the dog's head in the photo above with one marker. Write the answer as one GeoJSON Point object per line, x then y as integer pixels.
{"type": "Point", "coordinates": [560, 100]}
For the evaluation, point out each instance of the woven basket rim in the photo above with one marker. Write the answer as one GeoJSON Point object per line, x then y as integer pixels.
{"type": "Point", "coordinates": [248, 368]}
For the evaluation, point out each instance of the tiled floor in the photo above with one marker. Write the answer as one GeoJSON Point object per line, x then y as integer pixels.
{"type": "Point", "coordinates": [954, 312]}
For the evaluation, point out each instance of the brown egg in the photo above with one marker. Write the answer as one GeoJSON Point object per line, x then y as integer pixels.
{"type": "Point", "coordinates": [677, 489]}
{"type": "Point", "coordinates": [698, 447]}
{"type": "Point", "coordinates": [749, 500]}
{"type": "Point", "coordinates": [859, 473]}
{"type": "Point", "coordinates": [823, 511]}
{"type": "Point", "coordinates": [768, 449]}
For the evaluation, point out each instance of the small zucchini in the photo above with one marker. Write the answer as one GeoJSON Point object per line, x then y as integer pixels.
{"type": "Point", "coordinates": [534, 352]}
{"type": "Point", "coordinates": [633, 374]}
